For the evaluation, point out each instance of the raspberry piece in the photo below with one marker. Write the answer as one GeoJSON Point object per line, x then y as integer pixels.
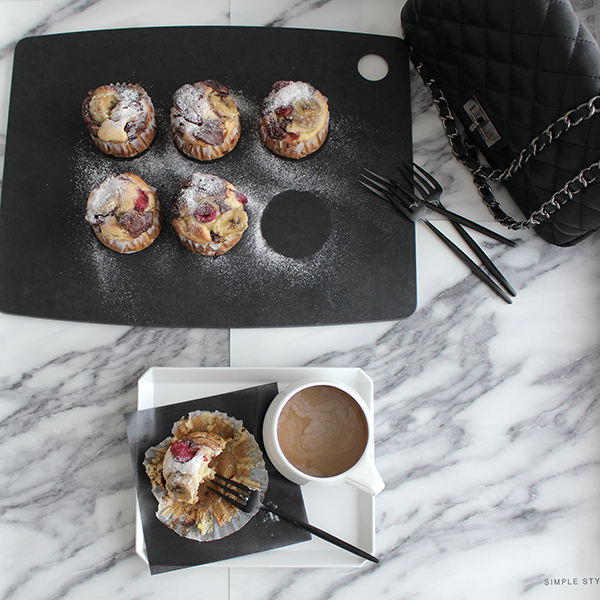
{"type": "Point", "coordinates": [142, 201]}
{"type": "Point", "coordinates": [205, 213]}
{"type": "Point", "coordinates": [240, 197]}
{"type": "Point", "coordinates": [183, 450]}
{"type": "Point", "coordinates": [283, 111]}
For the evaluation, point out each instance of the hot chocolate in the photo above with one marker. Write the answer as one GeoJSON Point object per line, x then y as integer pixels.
{"type": "Point", "coordinates": [322, 431]}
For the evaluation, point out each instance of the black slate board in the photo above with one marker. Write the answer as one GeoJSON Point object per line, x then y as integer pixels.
{"type": "Point", "coordinates": [166, 550]}
{"type": "Point", "coordinates": [51, 264]}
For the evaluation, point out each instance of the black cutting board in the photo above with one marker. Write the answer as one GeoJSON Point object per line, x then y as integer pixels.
{"type": "Point", "coordinates": [319, 249]}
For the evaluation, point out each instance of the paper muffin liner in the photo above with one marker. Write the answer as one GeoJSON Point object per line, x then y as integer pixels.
{"type": "Point", "coordinates": [132, 147]}
{"type": "Point", "coordinates": [209, 523]}
{"type": "Point", "coordinates": [129, 246]}
{"type": "Point", "coordinates": [208, 248]}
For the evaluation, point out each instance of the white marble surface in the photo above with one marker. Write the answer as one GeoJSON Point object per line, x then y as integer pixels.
{"type": "Point", "coordinates": [486, 414]}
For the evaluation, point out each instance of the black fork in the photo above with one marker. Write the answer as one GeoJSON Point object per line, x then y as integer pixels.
{"type": "Point", "coordinates": [430, 189]}
{"type": "Point", "coordinates": [424, 182]}
{"type": "Point", "coordinates": [413, 208]}
{"type": "Point", "coordinates": [418, 206]}
{"type": "Point", "coordinates": [248, 500]}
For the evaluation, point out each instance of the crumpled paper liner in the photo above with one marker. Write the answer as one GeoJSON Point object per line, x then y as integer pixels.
{"type": "Point", "coordinates": [211, 518]}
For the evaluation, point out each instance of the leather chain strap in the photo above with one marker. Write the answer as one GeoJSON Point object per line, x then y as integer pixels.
{"type": "Point", "coordinates": [570, 119]}
{"type": "Point", "coordinates": [468, 154]}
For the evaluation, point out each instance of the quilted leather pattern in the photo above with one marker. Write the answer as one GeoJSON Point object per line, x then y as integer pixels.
{"type": "Point", "coordinates": [528, 62]}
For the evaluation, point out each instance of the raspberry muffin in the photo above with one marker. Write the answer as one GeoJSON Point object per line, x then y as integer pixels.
{"type": "Point", "coordinates": [124, 213]}
{"type": "Point", "coordinates": [205, 121]}
{"type": "Point", "coordinates": [209, 216]}
{"type": "Point", "coordinates": [120, 119]}
{"type": "Point", "coordinates": [182, 467]}
{"type": "Point", "coordinates": [294, 119]}
{"type": "Point", "coordinates": [187, 464]}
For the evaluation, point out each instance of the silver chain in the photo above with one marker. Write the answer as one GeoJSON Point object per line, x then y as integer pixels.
{"type": "Point", "coordinates": [483, 172]}
{"type": "Point", "coordinates": [551, 133]}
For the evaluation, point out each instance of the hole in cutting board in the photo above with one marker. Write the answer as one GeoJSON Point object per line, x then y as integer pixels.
{"type": "Point", "coordinates": [373, 67]}
{"type": "Point", "coordinates": [296, 224]}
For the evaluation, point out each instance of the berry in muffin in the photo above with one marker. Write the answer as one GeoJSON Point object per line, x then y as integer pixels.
{"type": "Point", "coordinates": [187, 464]}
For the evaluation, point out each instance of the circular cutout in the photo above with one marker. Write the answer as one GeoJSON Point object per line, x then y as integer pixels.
{"type": "Point", "coordinates": [373, 67]}
{"type": "Point", "coordinates": [296, 224]}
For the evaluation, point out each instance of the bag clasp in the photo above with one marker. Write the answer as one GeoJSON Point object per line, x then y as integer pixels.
{"type": "Point", "coordinates": [481, 122]}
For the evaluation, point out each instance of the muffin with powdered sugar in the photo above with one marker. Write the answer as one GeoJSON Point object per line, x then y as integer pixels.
{"type": "Point", "coordinates": [209, 214]}
{"type": "Point", "coordinates": [120, 119]}
{"type": "Point", "coordinates": [294, 119]}
{"type": "Point", "coordinates": [205, 121]}
{"type": "Point", "coordinates": [124, 213]}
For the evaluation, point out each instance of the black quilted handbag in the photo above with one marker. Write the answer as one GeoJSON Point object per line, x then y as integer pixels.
{"type": "Point", "coordinates": [517, 85]}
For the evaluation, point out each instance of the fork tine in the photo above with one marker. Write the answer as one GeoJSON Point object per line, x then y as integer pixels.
{"type": "Point", "coordinates": [427, 175]}
{"type": "Point", "coordinates": [229, 499]}
{"type": "Point", "coordinates": [391, 185]}
{"type": "Point", "coordinates": [376, 188]}
{"type": "Point", "coordinates": [408, 192]}
{"type": "Point", "coordinates": [237, 494]}
{"type": "Point", "coordinates": [386, 180]}
{"type": "Point", "coordinates": [407, 171]}
{"type": "Point", "coordinates": [250, 498]}
{"type": "Point", "coordinates": [389, 197]}
{"type": "Point", "coordinates": [419, 183]}
{"type": "Point", "coordinates": [424, 183]}
{"type": "Point", "coordinates": [236, 484]}
{"type": "Point", "coordinates": [393, 189]}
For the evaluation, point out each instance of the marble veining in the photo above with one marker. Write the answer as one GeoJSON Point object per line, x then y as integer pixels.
{"type": "Point", "coordinates": [67, 480]}
{"type": "Point", "coordinates": [486, 414]}
{"type": "Point", "coordinates": [486, 418]}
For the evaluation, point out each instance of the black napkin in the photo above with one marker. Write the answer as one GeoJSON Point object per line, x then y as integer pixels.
{"type": "Point", "coordinates": [167, 551]}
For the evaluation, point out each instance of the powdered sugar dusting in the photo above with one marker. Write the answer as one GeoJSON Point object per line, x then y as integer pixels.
{"type": "Point", "coordinates": [189, 99]}
{"type": "Point", "coordinates": [102, 195]}
{"type": "Point", "coordinates": [122, 113]}
{"type": "Point", "coordinates": [288, 95]}
{"type": "Point", "coordinates": [201, 187]}
{"type": "Point", "coordinates": [252, 269]}
{"type": "Point", "coordinates": [129, 108]}
{"type": "Point", "coordinates": [128, 95]}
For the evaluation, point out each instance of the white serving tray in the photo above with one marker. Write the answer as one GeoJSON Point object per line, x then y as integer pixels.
{"type": "Point", "coordinates": [342, 510]}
